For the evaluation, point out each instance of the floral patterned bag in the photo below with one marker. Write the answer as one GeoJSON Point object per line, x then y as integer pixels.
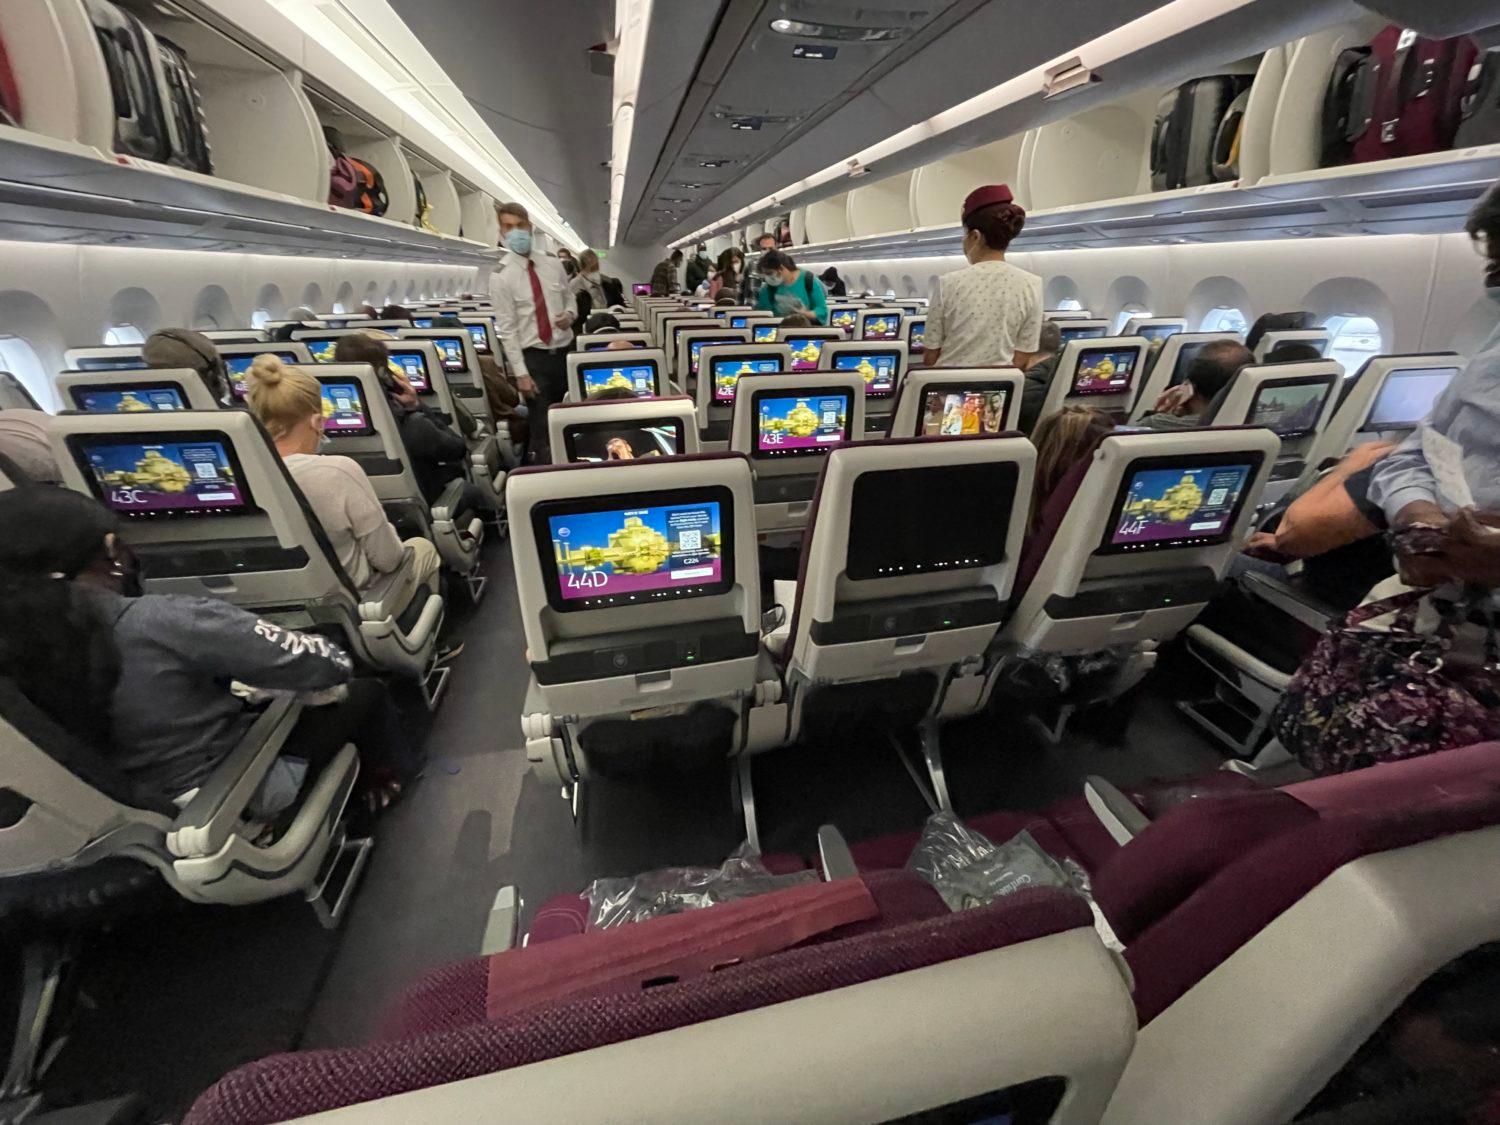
{"type": "Point", "coordinates": [1365, 696]}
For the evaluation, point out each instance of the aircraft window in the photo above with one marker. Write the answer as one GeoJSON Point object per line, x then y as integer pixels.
{"type": "Point", "coordinates": [259, 317]}
{"type": "Point", "coordinates": [1069, 304]}
{"type": "Point", "coordinates": [339, 308]}
{"type": "Point", "coordinates": [1127, 312]}
{"type": "Point", "coordinates": [1355, 339]}
{"type": "Point", "coordinates": [20, 359]}
{"type": "Point", "coordinates": [1225, 319]}
{"type": "Point", "coordinates": [123, 334]}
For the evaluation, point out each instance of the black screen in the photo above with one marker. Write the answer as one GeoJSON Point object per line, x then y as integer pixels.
{"type": "Point", "coordinates": [919, 521]}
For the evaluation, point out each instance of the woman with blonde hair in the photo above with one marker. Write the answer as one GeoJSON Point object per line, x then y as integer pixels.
{"type": "Point", "coordinates": [1063, 440]}
{"type": "Point", "coordinates": [289, 403]}
{"type": "Point", "coordinates": [589, 280]}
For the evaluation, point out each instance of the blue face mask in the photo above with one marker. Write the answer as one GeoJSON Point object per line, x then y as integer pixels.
{"type": "Point", "coordinates": [518, 241]}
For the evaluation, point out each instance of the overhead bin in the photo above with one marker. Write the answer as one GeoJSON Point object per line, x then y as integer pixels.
{"type": "Point", "coordinates": [880, 207]}
{"type": "Point", "coordinates": [828, 220]}
{"type": "Point", "coordinates": [938, 189]}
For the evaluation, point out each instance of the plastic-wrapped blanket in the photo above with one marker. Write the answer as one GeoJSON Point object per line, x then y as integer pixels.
{"type": "Point", "coordinates": [676, 890]}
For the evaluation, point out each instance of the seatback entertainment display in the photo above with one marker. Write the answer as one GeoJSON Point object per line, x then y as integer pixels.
{"type": "Point", "coordinates": [1069, 334]}
{"type": "Point", "coordinates": [883, 327]}
{"type": "Point", "coordinates": [623, 441]}
{"type": "Point", "coordinates": [612, 556]}
{"type": "Point", "coordinates": [321, 348]}
{"type": "Point", "coordinates": [727, 371]}
{"type": "Point", "coordinates": [1178, 506]}
{"type": "Point", "coordinates": [916, 341]}
{"type": "Point", "coordinates": [695, 349]}
{"type": "Point", "coordinates": [450, 350]}
{"type": "Point", "coordinates": [1289, 409]}
{"type": "Point", "coordinates": [239, 365]}
{"type": "Point", "coordinates": [1406, 397]}
{"type": "Point", "coordinates": [128, 400]}
{"type": "Point", "coordinates": [156, 478]}
{"type": "Point", "coordinates": [344, 409]}
{"type": "Point", "coordinates": [878, 369]}
{"type": "Point", "coordinates": [948, 413]}
{"type": "Point", "coordinates": [799, 424]}
{"type": "Point", "coordinates": [1105, 371]}
{"type": "Point", "coordinates": [412, 364]}
{"type": "Point", "coordinates": [766, 334]}
{"type": "Point", "coordinates": [639, 378]}
{"type": "Point", "coordinates": [480, 337]}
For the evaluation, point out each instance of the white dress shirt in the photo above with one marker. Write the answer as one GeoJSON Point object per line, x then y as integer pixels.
{"type": "Point", "coordinates": [515, 311]}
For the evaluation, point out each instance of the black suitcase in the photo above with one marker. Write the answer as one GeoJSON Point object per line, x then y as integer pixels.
{"type": "Point", "coordinates": [1228, 139]}
{"type": "Point", "coordinates": [187, 132]}
{"type": "Point", "coordinates": [140, 124]}
{"type": "Point", "coordinates": [1187, 125]}
{"type": "Point", "coordinates": [1481, 120]}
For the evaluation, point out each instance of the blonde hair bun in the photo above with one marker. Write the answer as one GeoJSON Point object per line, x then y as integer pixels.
{"type": "Point", "coordinates": [267, 370]}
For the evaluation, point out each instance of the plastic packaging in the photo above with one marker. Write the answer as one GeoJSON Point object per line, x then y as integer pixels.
{"type": "Point", "coordinates": [967, 869]}
{"type": "Point", "coordinates": [676, 890]}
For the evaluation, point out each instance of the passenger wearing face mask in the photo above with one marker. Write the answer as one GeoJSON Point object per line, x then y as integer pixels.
{"type": "Point", "coordinates": [534, 313]}
{"type": "Point", "coordinates": [786, 290]}
{"type": "Point", "coordinates": [288, 402]}
{"type": "Point", "coordinates": [990, 312]}
{"type": "Point", "coordinates": [697, 269]}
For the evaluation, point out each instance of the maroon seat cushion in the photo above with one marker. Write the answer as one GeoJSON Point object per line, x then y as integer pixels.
{"type": "Point", "coordinates": [291, 1085]}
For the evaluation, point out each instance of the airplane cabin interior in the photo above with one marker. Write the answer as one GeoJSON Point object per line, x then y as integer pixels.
{"type": "Point", "coordinates": [749, 560]}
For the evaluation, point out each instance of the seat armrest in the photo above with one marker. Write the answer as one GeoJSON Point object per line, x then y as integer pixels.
{"type": "Point", "coordinates": [214, 813]}
{"type": "Point", "coordinates": [834, 856]}
{"type": "Point", "coordinates": [1290, 601]}
{"type": "Point", "coordinates": [446, 506]}
{"type": "Point", "coordinates": [1121, 819]}
{"type": "Point", "coordinates": [382, 587]}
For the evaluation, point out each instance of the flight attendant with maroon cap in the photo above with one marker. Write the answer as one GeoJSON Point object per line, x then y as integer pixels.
{"type": "Point", "coordinates": [989, 312]}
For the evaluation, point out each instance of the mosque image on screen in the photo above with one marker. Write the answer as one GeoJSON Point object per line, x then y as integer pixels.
{"type": "Point", "coordinates": [663, 551]}
{"type": "Point", "coordinates": [143, 400]}
{"type": "Point", "coordinates": [728, 372]}
{"type": "Point", "coordinates": [803, 422]}
{"type": "Point", "coordinates": [639, 378]}
{"type": "Point", "coordinates": [878, 371]}
{"type": "Point", "coordinates": [1179, 506]}
{"type": "Point", "coordinates": [805, 351]}
{"type": "Point", "coordinates": [170, 476]}
{"type": "Point", "coordinates": [882, 327]}
{"type": "Point", "coordinates": [1102, 371]}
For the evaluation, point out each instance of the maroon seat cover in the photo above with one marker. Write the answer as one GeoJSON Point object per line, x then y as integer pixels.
{"type": "Point", "coordinates": [291, 1085]}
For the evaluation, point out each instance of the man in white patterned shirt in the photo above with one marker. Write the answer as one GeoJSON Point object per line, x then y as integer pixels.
{"type": "Point", "coordinates": [990, 312]}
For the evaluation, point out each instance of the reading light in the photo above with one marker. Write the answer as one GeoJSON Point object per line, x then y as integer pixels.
{"type": "Point", "coordinates": [842, 32]}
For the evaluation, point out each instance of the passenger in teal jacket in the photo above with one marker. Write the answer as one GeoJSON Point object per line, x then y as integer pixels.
{"type": "Point", "coordinates": [786, 289]}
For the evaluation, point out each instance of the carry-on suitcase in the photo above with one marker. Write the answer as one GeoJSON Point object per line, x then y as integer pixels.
{"type": "Point", "coordinates": [1481, 116]}
{"type": "Point", "coordinates": [1348, 105]}
{"type": "Point", "coordinates": [140, 124]}
{"type": "Point", "coordinates": [352, 182]}
{"type": "Point", "coordinates": [1419, 88]}
{"type": "Point", "coordinates": [1228, 139]}
{"type": "Point", "coordinates": [1187, 126]}
{"type": "Point", "coordinates": [187, 131]}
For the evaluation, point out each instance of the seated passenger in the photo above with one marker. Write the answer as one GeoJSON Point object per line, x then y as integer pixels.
{"type": "Point", "coordinates": [23, 439]}
{"type": "Point", "coordinates": [1277, 322]}
{"type": "Point", "coordinates": [621, 345]}
{"type": "Point", "coordinates": [1039, 374]}
{"type": "Point", "coordinates": [1065, 443]}
{"type": "Point", "coordinates": [796, 320]}
{"type": "Point", "coordinates": [147, 678]}
{"type": "Point", "coordinates": [181, 347]}
{"type": "Point", "coordinates": [394, 312]}
{"type": "Point", "coordinates": [288, 402]}
{"type": "Point", "coordinates": [301, 312]}
{"type": "Point", "coordinates": [1293, 352]}
{"type": "Point", "coordinates": [601, 322]}
{"type": "Point", "coordinates": [785, 289]}
{"type": "Point", "coordinates": [506, 396]}
{"type": "Point", "coordinates": [1181, 407]}
{"type": "Point", "coordinates": [613, 394]}
{"type": "Point", "coordinates": [437, 454]}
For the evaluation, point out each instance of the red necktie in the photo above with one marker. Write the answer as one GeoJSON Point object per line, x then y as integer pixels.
{"type": "Point", "coordinates": [543, 321]}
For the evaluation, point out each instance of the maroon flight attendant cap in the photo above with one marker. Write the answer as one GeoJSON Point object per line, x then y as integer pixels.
{"type": "Point", "coordinates": [984, 197]}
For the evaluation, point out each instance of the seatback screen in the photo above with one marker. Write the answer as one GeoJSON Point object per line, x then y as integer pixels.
{"type": "Point", "coordinates": [1105, 371]}
{"type": "Point", "coordinates": [1186, 354]}
{"type": "Point", "coordinates": [480, 337]}
{"type": "Point", "coordinates": [321, 348]}
{"type": "Point", "coordinates": [153, 478]}
{"type": "Point", "coordinates": [1079, 333]}
{"type": "Point", "coordinates": [950, 412]}
{"type": "Point", "coordinates": [1158, 331]}
{"type": "Point", "coordinates": [792, 425]}
{"type": "Point", "coordinates": [640, 289]}
{"type": "Point", "coordinates": [727, 371]}
{"type": "Point", "coordinates": [878, 369]}
{"type": "Point", "coordinates": [640, 378]}
{"type": "Point", "coordinates": [344, 409]}
{"type": "Point", "coordinates": [615, 551]}
{"type": "Point", "coordinates": [111, 363]}
{"type": "Point", "coordinates": [805, 351]}
{"type": "Point", "coordinates": [842, 316]}
{"type": "Point", "coordinates": [128, 400]}
{"type": "Point", "coordinates": [739, 321]}
{"type": "Point", "coordinates": [412, 364]}
{"type": "Point", "coordinates": [695, 348]}
{"type": "Point", "coordinates": [421, 322]}
{"type": "Point", "coordinates": [886, 326]}
{"type": "Point", "coordinates": [623, 441]}
{"type": "Point", "coordinates": [904, 522]}
{"type": "Point", "coordinates": [239, 365]}
{"type": "Point", "coordinates": [1289, 409]}
{"type": "Point", "coordinates": [1188, 504]}
{"type": "Point", "coordinates": [764, 334]}
{"type": "Point", "coordinates": [916, 341]}
{"type": "Point", "coordinates": [1406, 397]}
{"type": "Point", "coordinates": [450, 351]}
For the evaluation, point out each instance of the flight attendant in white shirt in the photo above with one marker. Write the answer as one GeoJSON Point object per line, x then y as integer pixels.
{"type": "Point", "coordinates": [990, 312]}
{"type": "Point", "coordinates": [534, 313]}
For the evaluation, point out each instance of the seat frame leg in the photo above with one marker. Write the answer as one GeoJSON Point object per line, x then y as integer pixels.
{"type": "Point", "coordinates": [434, 683]}
{"type": "Point", "coordinates": [42, 966]}
{"type": "Point", "coordinates": [934, 787]}
{"type": "Point", "coordinates": [330, 910]}
{"type": "Point", "coordinates": [742, 784]}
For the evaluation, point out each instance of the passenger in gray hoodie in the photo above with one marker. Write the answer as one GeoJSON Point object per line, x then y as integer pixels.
{"type": "Point", "coordinates": [146, 678]}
